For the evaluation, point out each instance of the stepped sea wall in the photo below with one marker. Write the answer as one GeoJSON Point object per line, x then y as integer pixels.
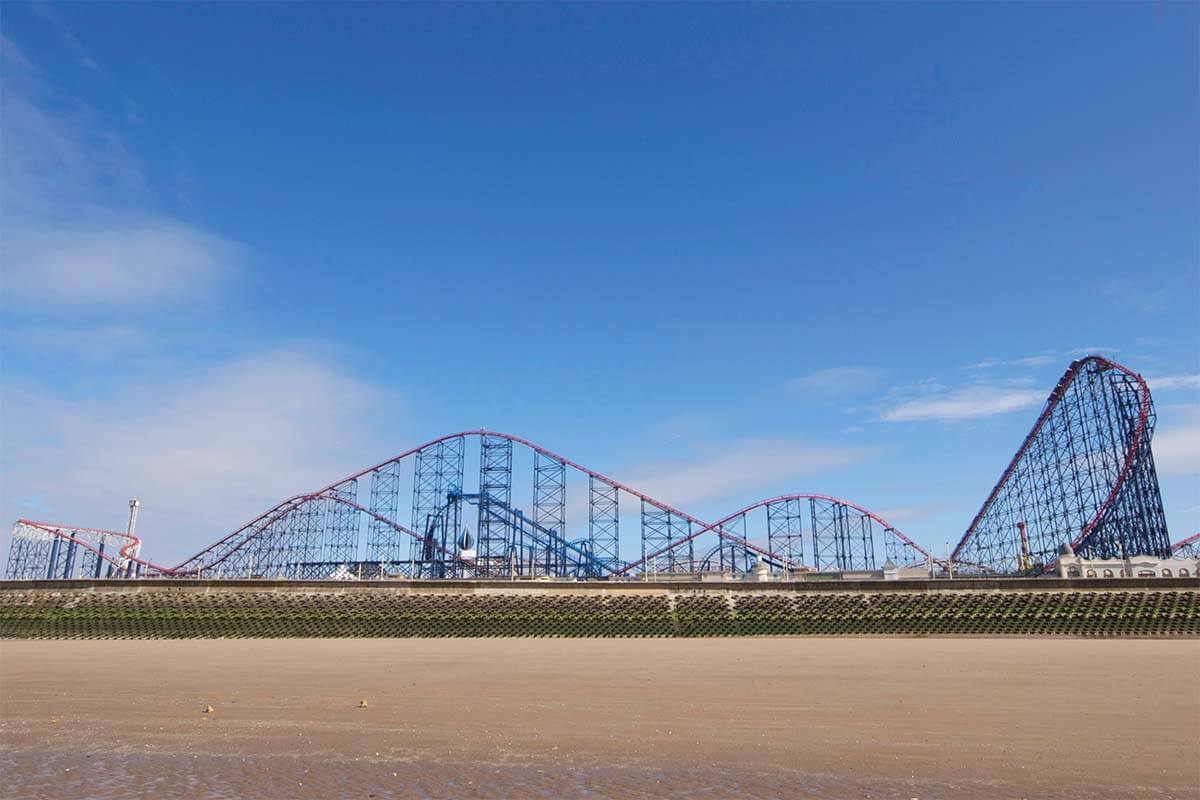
{"type": "Point", "coordinates": [269, 609]}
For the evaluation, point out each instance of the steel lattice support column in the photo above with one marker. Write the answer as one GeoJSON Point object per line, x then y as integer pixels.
{"type": "Point", "coordinates": [550, 506]}
{"type": "Point", "coordinates": [29, 554]}
{"type": "Point", "coordinates": [495, 488]}
{"type": "Point", "coordinates": [604, 519]}
{"type": "Point", "coordinates": [437, 473]}
{"type": "Point", "coordinates": [665, 529]}
{"type": "Point", "coordinates": [900, 552]}
{"type": "Point", "coordinates": [52, 561]}
{"type": "Point", "coordinates": [733, 557]}
{"type": "Point", "coordinates": [273, 545]}
{"type": "Point", "coordinates": [90, 565]}
{"type": "Point", "coordinates": [862, 547]}
{"type": "Point", "coordinates": [301, 541]}
{"type": "Point", "coordinates": [69, 558]}
{"type": "Point", "coordinates": [342, 525]}
{"type": "Point", "coordinates": [785, 529]}
{"type": "Point", "coordinates": [383, 545]}
{"type": "Point", "coordinates": [828, 531]}
{"type": "Point", "coordinates": [35, 557]}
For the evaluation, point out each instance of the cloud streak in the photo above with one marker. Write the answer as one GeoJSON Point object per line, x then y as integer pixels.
{"type": "Point", "coordinates": [80, 229]}
{"type": "Point", "coordinates": [835, 381]}
{"type": "Point", "coordinates": [124, 261]}
{"type": "Point", "coordinates": [1176, 443]}
{"type": "Point", "coordinates": [972, 402]}
{"type": "Point", "coordinates": [738, 469]}
{"type": "Point", "coordinates": [1177, 450]}
{"type": "Point", "coordinates": [203, 454]}
{"type": "Point", "coordinates": [1035, 361]}
{"type": "Point", "coordinates": [1172, 382]}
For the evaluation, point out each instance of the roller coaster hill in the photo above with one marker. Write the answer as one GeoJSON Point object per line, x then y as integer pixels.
{"type": "Point", "coordinates": [1084, 475]}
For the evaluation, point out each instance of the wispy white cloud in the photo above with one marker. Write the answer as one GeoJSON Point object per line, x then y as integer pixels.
{"type": "Point", "coordinates": [84, 342]}
{"type": "Point", "coordinates": [738, 469]}
{"type": "Point", "coordinates": [80, 227]}
{"type": "Point", "coordinates": [57, 164]}
{"type": "Point", "coordinates": [1029, 361]}
{"type": "Point", "coordinates": [121, 261]}
{"type": "Point", "coordinates": [12, 55]}
{"type": "Point", "coordinates": [836, 381]}
{"type": "Point", "coordinates": [687, 426]}
{"type": "Point", "coordinates": [1177, 449]}
{"type": "Point", "coordinates": [1170, 382]}
{"type": "Point", "coordinates": [1141, 297]}
{"type": "Point", "coordinates": [1176, 442]}
{"type": "Point", "coordinates": [1091, 351]}
{"type": "Point", "coordinates": [204, 454]}
{"type": "Point", "coordinates": [88, 259]}
{"type": "Point", "coordinates": [970, 402]}
{"type": "Point", "coordinates": [48, 13]}
{"type": "Point", "coordinates": [900, 515]}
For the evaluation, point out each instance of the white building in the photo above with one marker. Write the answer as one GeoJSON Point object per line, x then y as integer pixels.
{"type": "Point", "coordinates": [1073, 566]}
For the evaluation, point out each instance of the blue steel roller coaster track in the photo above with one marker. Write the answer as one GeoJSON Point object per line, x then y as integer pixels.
{"type": "Point", "coordinates": [1084, 474]}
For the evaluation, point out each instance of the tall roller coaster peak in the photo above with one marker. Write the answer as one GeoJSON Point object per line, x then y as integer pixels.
{"type": "Point", "coordinates": [1083, 475]}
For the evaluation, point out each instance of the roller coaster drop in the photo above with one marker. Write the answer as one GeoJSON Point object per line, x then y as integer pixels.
{"type": "Point", "coordinates": [1084, 474]}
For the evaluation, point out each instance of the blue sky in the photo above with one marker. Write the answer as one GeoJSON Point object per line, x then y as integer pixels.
{"type": "Point", "coordinates": [717, 251]}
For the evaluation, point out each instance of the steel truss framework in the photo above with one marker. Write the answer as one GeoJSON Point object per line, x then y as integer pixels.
{"type": "Point", "coordinates": [667, 544]}
{"type": "Point", "coordinates": [42, 550]}
{"type": "Point", "coordinates": [495, 486]}
{"type": "Point", "coordinates": [1187, 548]}
{"type": "Point", "coordinates": [329, 533]}
{"type": "Point", "coordinates": [604, 523]}
{"type": "Point", "coordinates": [1084, 475]}
{"type": "Point", "coordinates": [842, 536]}
{"type": "Point", "coordinates": [550, 511]}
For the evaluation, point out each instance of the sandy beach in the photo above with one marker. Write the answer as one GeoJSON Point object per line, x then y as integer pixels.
{"type": "Point", "coordinates": [738, 718]}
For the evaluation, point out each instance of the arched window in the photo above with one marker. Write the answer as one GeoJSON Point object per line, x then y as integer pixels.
{"type": "Point", "coordinates": [1108, 573]}
{"type": "Point", "coordinates": [1091, 573]}
{"type": "Point", "coordinates": [1183, 573]}
{"type": "Point", "coordinates": [1073, 572]}
{"type": "Point", "coordinates": [1166, 572]}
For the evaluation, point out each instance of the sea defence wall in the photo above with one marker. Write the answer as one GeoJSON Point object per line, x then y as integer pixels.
{"type": "Point", "coordinates": [395, 609]}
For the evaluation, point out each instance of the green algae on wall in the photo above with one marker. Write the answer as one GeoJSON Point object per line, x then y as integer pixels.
{"type": "Point", "coordinates": [68, 614]}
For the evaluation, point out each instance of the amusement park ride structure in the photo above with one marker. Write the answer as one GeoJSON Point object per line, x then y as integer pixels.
{"type": "Point", "coordinates": [1084, 475]}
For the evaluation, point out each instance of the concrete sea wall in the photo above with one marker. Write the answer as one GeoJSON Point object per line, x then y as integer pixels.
{"type": "Point", "coordinates": [276, 609]}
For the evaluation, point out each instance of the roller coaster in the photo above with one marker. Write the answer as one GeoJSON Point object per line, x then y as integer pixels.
{"type": "Point", "coordinates": [1084, 475]}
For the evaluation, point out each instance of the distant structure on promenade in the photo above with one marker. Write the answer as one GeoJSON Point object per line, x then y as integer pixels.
{"type": "Point", "coordinates": [1084, 475]}
{"type": "Point", "coordinates": [1070, 565]}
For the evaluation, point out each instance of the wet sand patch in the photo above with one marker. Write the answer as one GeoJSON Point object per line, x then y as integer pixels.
{"type": "Point", "coordinates": [602, 718]}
